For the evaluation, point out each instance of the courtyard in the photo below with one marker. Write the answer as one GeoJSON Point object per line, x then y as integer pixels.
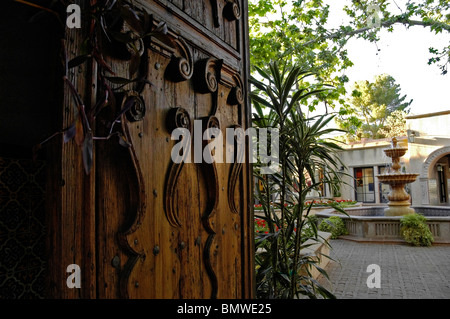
{"type": "Point", "coordinates": [407, 272]}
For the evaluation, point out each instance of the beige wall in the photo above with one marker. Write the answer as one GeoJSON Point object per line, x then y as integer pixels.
{"type": "Point", "coordinates": [366, 154]}
{"type": "Point", "coordinates": [428, 144]}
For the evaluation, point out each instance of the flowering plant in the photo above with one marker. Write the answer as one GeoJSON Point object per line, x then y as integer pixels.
{"type": "Point", "coordinates": [261, 226]}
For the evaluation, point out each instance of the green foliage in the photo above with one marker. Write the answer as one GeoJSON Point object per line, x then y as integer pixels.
{"type": "Point", "coordinates": [370, 106]}
{"type": "Point", "coordinates": [415, 230]}
{"type": "Point", "coordinates": [280, 31]}
{"type": "Point", "coordinates": [300, 33]}
{"type": "Point", "coordinates": [310, 229]}
{"type": "Point", "coordinates": [281, 271]}
{"type": "Point", "coordinates": [395, 124]}
{"type": "Point", "coordinates": [334, 225]}
{"type": "Point", "coordinates": [313, 219]}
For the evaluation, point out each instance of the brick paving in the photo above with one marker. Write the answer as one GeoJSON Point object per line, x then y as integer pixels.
{"type": "Point", "coordinates": [406, 272]}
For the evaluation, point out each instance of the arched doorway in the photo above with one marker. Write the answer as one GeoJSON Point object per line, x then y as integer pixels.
{"type": "Point", "coordinates": [435, 178]}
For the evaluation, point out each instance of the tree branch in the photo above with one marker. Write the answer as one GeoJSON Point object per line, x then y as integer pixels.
{"type": "Point", "coordinates": [383, 24]}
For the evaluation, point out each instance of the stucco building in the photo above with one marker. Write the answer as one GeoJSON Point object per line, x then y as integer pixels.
{"type": "Point", "coordinates": [428, 142]}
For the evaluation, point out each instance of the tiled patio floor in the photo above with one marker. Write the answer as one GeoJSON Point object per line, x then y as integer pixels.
{"type": "Point", "coordinates": [406, 272]}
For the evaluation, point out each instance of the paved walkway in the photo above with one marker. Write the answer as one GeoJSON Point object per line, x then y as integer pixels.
{"type": "Point", "coordinates": [406, 272]}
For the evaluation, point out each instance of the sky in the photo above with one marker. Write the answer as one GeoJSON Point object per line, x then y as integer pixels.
{"type": "Point", "coordinates": [404, 55]}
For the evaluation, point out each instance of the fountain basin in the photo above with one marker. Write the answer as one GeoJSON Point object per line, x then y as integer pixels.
{"type": "Point", "coordinates": [397, 179]}
{"type": "Point", "coordinates": [395, 152]}
{"type": "Point", "coordinates": [369, 224]}
{"type": "Point", "coordinates": [398, 198]}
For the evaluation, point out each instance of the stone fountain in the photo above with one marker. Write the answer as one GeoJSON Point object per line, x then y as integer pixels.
{"type": "Point", "coordinates": [399, 200]}
{"type": "Point", "coordinates": [380, 224]}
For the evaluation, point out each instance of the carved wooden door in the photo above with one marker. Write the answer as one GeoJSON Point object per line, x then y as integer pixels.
{"type": "Point", "coordinates": [178, 230]}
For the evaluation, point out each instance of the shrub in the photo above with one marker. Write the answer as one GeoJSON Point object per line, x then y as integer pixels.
{"type": "Point", "coordinates": [334, 225]}
{"type": "Point", "coordinates": [415, 230]}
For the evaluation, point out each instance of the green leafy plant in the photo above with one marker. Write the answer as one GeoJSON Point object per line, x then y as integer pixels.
{"type": "Point", "coordinates": [334, 225]}
{"type": "Point", "coordinates": [415, 230]}
{"type": "Point", "coordinates": [336, 187]}
{"type": "Point", "coordinates": [281, 270]}
{"type": "Point", "coordinates": [313, 219]}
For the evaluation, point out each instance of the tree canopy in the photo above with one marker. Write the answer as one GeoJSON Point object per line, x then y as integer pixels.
{"type": "Point", "coordinates": [372, 106]}
{"type": "Point", "coordinates": [300, 30]}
